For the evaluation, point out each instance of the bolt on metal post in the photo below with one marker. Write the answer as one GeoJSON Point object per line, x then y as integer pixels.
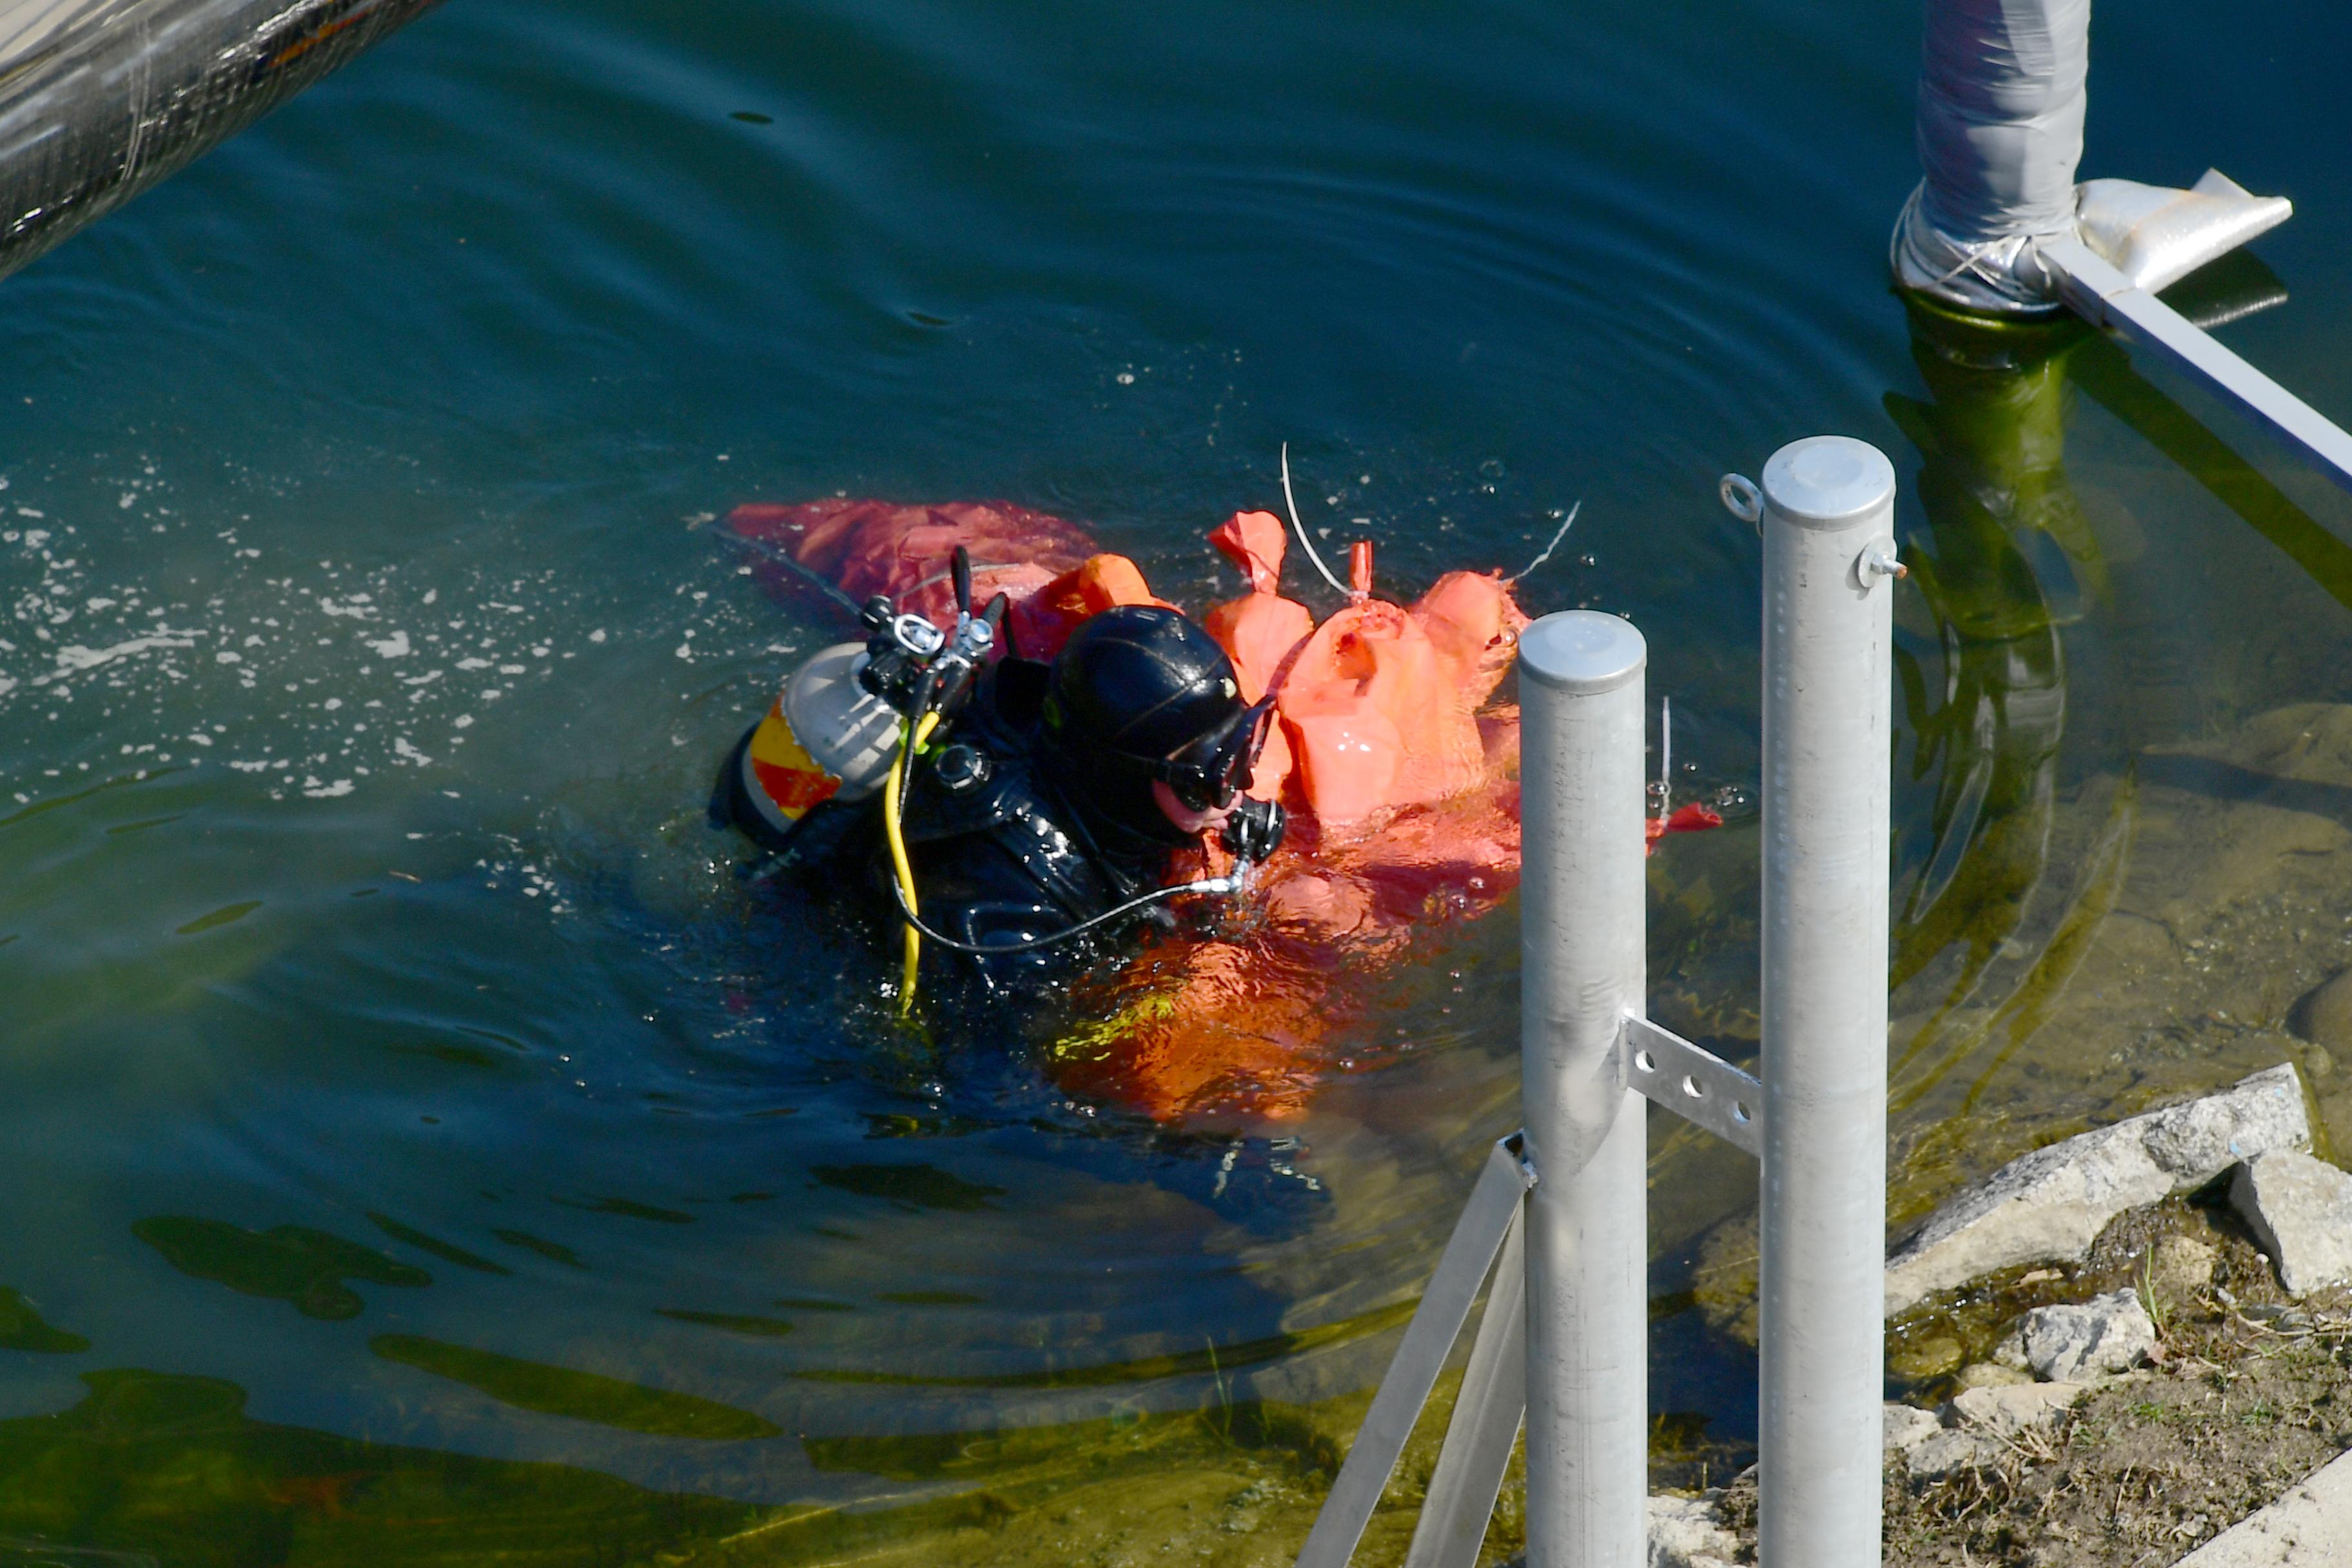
{"type": "Point", "coordinates": [1581, 945]}
{"type": "Point", "coordinates": [1828, 595]}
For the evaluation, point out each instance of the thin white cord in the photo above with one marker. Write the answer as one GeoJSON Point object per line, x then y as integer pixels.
{"type": "Point", "coordinates": [1973, 256]}
{"type": "Point", "coordinates": [1300, 529]}
{"type": "Point", "coordinates": [1666, 752]}
{"type": "Point", "coordinates": [1556, 537]}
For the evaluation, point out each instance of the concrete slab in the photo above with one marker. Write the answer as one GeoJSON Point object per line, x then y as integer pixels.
{"type": "Point", "coordinates": [2310, 1527]}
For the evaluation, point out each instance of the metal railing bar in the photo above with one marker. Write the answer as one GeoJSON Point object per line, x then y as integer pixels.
{"type": "Point", "coordinates": [2102, 296]}
{"type": "Point", "coordinates": [1487, 1218]}
{"type": "Point", "coordinates": [1487, 1414]}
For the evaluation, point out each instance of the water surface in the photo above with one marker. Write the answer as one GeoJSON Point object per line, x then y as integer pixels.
{"type": "Point", "coordinates": [393, 1057]}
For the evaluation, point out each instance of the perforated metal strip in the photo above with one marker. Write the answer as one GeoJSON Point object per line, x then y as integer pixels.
{"type": "Point", "coordinates": [1695, 1084]}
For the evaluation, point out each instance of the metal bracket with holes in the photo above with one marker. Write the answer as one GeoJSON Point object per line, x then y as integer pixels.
{"type": "Point", "coordinates": [1695, 1084]}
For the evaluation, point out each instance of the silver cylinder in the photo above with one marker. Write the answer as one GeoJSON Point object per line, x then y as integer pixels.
{"type": "Point", "coordinates": [2003, 91]}
{"type": "Point", "coordinates": [1582, 912]}
{"type": "Point", "coordinates": [1828, 699]}
{"type": "Point", "coordinates": [2002, 95]}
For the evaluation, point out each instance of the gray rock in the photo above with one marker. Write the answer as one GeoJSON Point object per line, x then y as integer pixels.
{"type": "Point", "coordinates": [2049, 1205]}
{"type": "Point", "coordinates": [1982, 1425]}
{"type": "Point", "coordinates": [1949, 1453]}
{"type": "Point", "coordinates": [2300, 1208]}
{"type": "Point", "coordinates": [1688, 1533]}
{"type": "Point", "coordinates": [2324, 1016]}
{"type": "Point", "coordinates": [2017, 1407]}
{"type": "Point", "coordinates": [2108, 1333]}
{"type": "Point", "coordinates": [1907, 1426]}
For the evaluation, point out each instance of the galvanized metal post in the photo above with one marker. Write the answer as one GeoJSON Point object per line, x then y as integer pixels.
{"type": "Point", "coordinates": [1829, 558]}
{"type": "Point", "coordinates": [1581, 911]}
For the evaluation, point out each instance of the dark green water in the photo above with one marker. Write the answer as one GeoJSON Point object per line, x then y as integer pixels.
{"type": "Point", "coordinates": [385, 1037]}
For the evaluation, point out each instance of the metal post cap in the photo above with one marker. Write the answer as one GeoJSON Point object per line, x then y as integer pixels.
{"type": "Point", "coordinates": [1583, 651]}
{"type": "Point", "coordinates": [1824, 480]}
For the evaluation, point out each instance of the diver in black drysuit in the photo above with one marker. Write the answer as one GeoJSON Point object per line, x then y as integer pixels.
{"type": "Point", "coordinates": [1057, 798]}
{"type": "Point", "coordinates": [1057, 793]}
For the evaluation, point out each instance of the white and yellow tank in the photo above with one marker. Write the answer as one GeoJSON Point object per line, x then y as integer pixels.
{"type": "Point", "coordinates": [824, 738]}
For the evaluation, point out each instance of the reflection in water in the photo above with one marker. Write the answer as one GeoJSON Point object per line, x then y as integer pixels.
{"type": "Point", "coordinates": [553, 1251]}
{"type": "Point", "coordinates": [2006, 537]}
{"type": "Point", "coordinates": [628, 1208]}
{"type": "Point", "coordinates": [292, 1262]}
{"type": "Point", "coordinates": [2106, 372]}
{"type": "Point", "coordinates": [733, 1322]}
{"type": "Point", "coordinates": [1211, 1358]}
{"type": "Point", "coordinates": [172, 1467]}
{"type": "Point", "coordinates": [2004, 893]}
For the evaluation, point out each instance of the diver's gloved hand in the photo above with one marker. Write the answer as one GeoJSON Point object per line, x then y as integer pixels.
{"type": "Point", "coordinates": [1253, 832]}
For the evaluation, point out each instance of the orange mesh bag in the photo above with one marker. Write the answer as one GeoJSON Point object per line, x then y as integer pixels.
{"type": "Point", "coordinates": [1259, 629]}
{"type": "Point", "coordinates": [871, 547]}
{"type": "Point", "coordinates": [1376, 719]}
{"type": "Point", "coordinates": [1042, 620]}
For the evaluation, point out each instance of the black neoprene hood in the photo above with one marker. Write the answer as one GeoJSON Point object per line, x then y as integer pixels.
{"type": "Point", "coordinates": [1141, 682]}
{"type": "Point", "coordinates": [1134, 685]}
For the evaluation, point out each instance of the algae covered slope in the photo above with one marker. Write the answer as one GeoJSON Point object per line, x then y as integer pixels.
{"type": "Point", "coordinates": [158, 1468]}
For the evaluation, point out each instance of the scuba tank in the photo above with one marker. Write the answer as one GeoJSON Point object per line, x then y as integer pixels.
{"type": "Point", "coordinates": [824, 738]}
{"type": "Point", "coordinates": [834, 729]}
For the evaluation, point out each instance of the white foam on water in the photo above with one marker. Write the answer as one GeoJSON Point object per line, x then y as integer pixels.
{"type": "Point", "coordinates": [311, 674]}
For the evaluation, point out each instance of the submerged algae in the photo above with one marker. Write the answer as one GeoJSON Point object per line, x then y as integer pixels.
{"type": "Point", "coordinates": [171, 1468]}
{"type": "Point", "coordinates": [21, 1329]}
{"type": "Point", "coordinates": [581, 1395]}
{"type": "Point", "coordinates": [290, 1262]}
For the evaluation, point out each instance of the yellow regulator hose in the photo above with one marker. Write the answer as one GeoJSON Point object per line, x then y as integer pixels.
{"type": "Point", "coordinates": [894, 804]}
